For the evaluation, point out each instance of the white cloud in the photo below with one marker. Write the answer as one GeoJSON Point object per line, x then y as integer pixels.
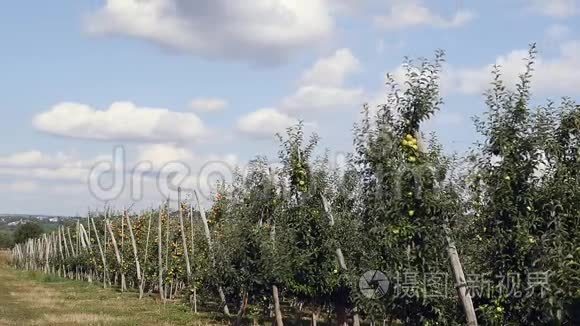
{"type": "Point", "coordinates": [60, 174]}
{"type": "Point", "coordinates": [245, 30]}
{"type": "Point", "coordinates": [121, 121]}
{"type": "Point", "coordinates": [413, 13]}
{"type": "Point", "coordinates": [208, 104]}
{"type": "Point", "coordinates": [67, 181]}
{"type": "Point", "coordinates": [32, 158]}
{"type": "Point", "coordinates": [323, 87]}
{"type": "Point", "coordinates": [160, 154]}
{"type": "Point", "coordinates": [555, 8]}
{"type": "Point", "coordinates": [264, 123]}
{"type": "Point", "coordinates": [42, 166]}
{"type": "Point", "coordinates": [19, 186]}
{"type": "Point", "coordinates": [333, 70]}
{"type": "Point", "coordinates": [203, 171]}
{"type": "Point", "coordinates": [555, 76]}
{"type": "Point", "coordinates": [78, 173]}
{"type": "Point", "coordinates": [319, 98]}
{"type": "Point", "coordinates": [347, 7]}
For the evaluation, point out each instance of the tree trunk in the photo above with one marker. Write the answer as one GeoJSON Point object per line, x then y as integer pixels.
{"type": "Point", "coordinates": [315, 314]}
{"type": "Point", "coordinates": [195, 299]}
{"type": "Point", "coordinates": [341, 317]}
{"type": "Point", "coordinates": [243, 306]}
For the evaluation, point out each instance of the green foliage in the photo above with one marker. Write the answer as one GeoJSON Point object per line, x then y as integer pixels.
{"type": "Point", "coordinates": [511, 206]}
{"type": "Point", "coordinates": [525, 182]}
{"type": "Point", "coordinates": [27, 231]}
{"type": "Point", "coordinates": [406, 201]}
{"type": "Point", "coordinates": [6, 240]}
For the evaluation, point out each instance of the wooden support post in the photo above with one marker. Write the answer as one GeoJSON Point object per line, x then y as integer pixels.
{"type": "Point", "coordinates": [461, 283]}
{"type": "Point", "coordinates": [117, 254]}
{"type": "Point", "coordinates": [184, 239]}
{"type": "Point", "coordinates": [160, 254]}
{"type": "Point", "coordinates": [212, 257]}
{"type": "Point", "coordinates": [104, 260]}
{"type": "Point", "coordinates": [341, 263]}
{"type": "Point", "coordinates": [135, 254]}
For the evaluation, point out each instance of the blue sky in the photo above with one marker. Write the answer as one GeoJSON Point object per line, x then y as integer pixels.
{"type": "Point", "coordinates": [199, 81]}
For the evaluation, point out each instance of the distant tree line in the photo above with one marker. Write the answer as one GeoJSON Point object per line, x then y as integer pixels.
{"type": "Point", "coordinates": [22, 233]}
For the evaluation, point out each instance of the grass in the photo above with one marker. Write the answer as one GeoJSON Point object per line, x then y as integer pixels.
{"type": "Point", "coordinates": [28, 298]}
{"type": "Point", "coordinates": [34, 298]}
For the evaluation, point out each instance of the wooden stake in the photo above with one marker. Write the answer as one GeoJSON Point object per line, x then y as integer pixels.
{"type": "Point", "coordinates": [277, 309]}
{"type": "Point", "coordinates": [160, 253]}
{"type": "Point", "coordinates": [212, 257]}
{"type": "Point", "coordinates": [193, 255]}
{"type": "Point", "coordinates": [460, 283]}
{"type": "Point", "coordinates": [72, 249]}
{"type": "Point", "coordinates": [60, 245]}
{"type": "Point", "coordinates": [146, 253]}
{"type": "Point", "coordinates": [117, 254]}
{"type": "Point", "coordinates": [134, 244]}
{"type": "Point", "coordinates": [101, 252]}
{"type": "Point", "coordinates": [342, 264]}
{"type": "Point", "coordinates": [167, 232]}
{"type": "Point", "coordinates": [183, 237]}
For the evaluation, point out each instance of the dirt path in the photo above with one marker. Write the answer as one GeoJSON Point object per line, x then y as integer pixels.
{"type": "Point", "coordinates": [35, 299]}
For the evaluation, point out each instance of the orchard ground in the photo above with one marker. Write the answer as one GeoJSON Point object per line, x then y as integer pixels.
{"type": "Point", "coordinates": [28, 298]}
{"type": "Point", "coordinates": [32, 298]}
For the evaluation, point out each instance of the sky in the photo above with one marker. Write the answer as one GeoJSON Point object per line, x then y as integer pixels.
{"type": "Point", "coordinates": [102, 97]}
